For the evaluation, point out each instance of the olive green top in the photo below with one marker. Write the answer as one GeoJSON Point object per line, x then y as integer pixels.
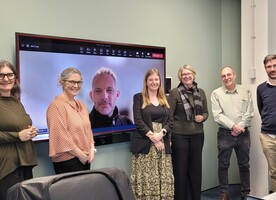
{"type": "Point", "coordinates": [181, 126]}
{"type": "Point", "coordinates": [13, 152]}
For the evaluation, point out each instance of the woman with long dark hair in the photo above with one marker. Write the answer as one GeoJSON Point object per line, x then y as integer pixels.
{"type": "Point", "coordinates": [17, 154]}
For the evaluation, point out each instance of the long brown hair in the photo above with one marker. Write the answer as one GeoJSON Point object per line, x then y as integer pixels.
{"type": "Point", "coordinates": [15, 91]}
{"type": "Point", "coordinates": [160, 93]}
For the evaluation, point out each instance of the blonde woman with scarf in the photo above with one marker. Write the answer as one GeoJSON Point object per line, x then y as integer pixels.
{"type": "Point", "coordinates": [189, 107]}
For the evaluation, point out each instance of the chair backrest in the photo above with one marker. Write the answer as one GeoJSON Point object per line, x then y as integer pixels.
{"type": "Point", "coordinates": [102, 184]}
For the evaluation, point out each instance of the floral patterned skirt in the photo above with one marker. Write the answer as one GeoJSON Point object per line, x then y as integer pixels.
{"type": "Point", "coordinates": [152, 175]}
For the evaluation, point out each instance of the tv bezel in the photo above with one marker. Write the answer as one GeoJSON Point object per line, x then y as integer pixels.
{"type": "Point", "coordinates": [102, 137]}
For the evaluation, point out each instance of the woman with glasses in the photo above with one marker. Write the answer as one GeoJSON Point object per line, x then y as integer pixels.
{"type": "Point", "coordinates": [189, 107]}
{"type": "Point", "coordinates": [71, 143]}
{"type": "Point", "coordinates": [17, 155]}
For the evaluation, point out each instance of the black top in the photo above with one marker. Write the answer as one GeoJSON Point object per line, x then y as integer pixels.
{"type": "Point", "coordinates": [157, 113]}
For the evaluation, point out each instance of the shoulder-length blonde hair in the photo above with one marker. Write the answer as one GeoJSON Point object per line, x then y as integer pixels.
{"type": "Point", "coordinates": [188, 67]}
{"type": "Point", "coordinates": [160, 93]}
{"type": "Point", "coordinates": [65, 74]}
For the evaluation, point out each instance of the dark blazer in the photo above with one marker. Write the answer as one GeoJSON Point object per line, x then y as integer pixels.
{"type": "Point", "coordinates": [140, 143]}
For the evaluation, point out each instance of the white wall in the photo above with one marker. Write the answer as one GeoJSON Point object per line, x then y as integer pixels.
{"type": "Point", "coordinates": [193, 32]}
{"type": "Point", "coordinates": [255, 24]}
{"type": "Point", "coordinates": [271, 27]}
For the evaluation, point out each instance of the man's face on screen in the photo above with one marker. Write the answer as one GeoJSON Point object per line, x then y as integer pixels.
{"type": "Point", "coordinates": [104, 94]}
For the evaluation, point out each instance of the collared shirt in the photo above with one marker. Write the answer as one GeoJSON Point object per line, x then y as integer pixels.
{"type": "Point", "coordinates": [268, 82]}
{"type": "Point", "coordinates": [230, 108]}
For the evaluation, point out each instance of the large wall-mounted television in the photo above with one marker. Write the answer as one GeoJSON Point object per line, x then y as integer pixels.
{"type": "Point", "coordinates": [42, 58]}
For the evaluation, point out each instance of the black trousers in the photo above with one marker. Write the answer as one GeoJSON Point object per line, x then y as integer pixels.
{"type": "Point", "coordinates": [17, 176]}
{"type": "Point", "coordinates": [187, 166]}
{"type": "Point", "coordinates": [72, 165]}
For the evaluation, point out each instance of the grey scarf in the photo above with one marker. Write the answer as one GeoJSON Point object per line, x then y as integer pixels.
{"type": "Point", "coordinates": [189, 110]}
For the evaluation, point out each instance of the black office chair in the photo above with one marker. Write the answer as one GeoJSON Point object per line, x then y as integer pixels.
{"type": "Point", "coordinates": [250, 197]}
{"type": "Point", "coordinates": [101, 184]}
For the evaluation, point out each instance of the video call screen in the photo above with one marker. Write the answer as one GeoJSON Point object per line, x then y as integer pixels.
{"type": "Point", "coordinates": [41, 59]}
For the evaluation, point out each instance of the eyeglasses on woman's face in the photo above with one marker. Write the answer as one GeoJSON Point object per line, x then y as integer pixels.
{"type": "Point", "coordinates": [73, 83]}
{"type": "Point", "coordinates": [186, 74]}
{"type": "Point", "coordinates": [10, 76]}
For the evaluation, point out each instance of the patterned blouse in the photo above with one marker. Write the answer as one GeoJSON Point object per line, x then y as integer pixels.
{"type": "Point", "coordinates": [69, 127]}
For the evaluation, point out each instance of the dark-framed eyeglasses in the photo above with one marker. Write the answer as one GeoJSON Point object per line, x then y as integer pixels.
{"type": "Point", "coordinates": [72, 82]}
{"type": "Point", "coordinates": [10, 76]}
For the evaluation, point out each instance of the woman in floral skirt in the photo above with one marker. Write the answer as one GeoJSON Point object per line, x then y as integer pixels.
{"type": "Point", "coordinates": [152, 174]}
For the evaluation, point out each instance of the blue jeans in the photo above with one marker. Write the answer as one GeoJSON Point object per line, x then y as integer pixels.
{"type": "Point", "coordinates": [241, 145]}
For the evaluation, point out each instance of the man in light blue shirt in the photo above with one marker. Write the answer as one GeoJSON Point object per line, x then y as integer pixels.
{"type": "Point", "coordinates": [232, 109]}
